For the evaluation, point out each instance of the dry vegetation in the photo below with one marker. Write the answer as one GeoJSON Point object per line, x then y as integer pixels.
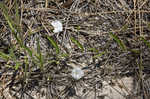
{"type": "Point", "coordinates": [110, 40]}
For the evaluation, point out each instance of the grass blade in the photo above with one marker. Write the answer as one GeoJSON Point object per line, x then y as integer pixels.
{"type": "Point", "coordinates": [17, 16]}
{"type": "Point", "coordinates": [4, 56]}
{"type": "Point", "coordinates": [135, 51]}
{"type": "Point", "coordinates": [28, 51]}
{"type": "Point", "coordinates": [10, 22]}
{"type": "Point", "coordinates": [38, 46]}
{"type": "Point", "coordinates": [64, 55]}
{"type": "Point", "coordinates": [145, 41]}
{"type": "Point", "coordinates": [99, 55]}
{"type": "Point", "coordinates": [39, 54]}
{"type": "Point", "coordinates": [119, 42]}
{"type": "Point", "coordinates": [93, 50]}
{"type": "Point", "coordinates": [17, 65]}
{"type": "Point", "coordinates": [5, 13]}
{"type": "Point", "coordinates": [12, 54]}
{"type": "Point", "coordinates": [54, 44]}
{"type": "Point", "coordinates": [77, 43]}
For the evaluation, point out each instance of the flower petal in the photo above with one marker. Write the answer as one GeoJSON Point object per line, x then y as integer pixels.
{"type": "Point", "coordinates": [77, 73]}
{"type": "Point", "coordinates": [58, 27]}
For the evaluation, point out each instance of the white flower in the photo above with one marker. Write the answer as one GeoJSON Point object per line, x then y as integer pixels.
{"type": "Point", "coordinates": [77, 73]}
{"type": "Point", "coordinates": [58, 27]}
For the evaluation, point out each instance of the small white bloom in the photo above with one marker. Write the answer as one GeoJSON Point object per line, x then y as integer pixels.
{"type": "Point", "coordinates": [58, 27]}
{"type": "Point", "coordinates": [77, 73]}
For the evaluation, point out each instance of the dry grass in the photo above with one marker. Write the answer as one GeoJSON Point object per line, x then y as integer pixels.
{"type": "Point", "coordinates": [32, 65]}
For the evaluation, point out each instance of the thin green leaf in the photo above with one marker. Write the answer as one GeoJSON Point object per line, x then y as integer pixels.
{"type": "Point", "coordinates": [10, 22]}
{"type": "Point", "coordinates": [64, 55]}
{"type": "Point", "coordinates": [93, 50]}
{"type": "Point", "coordinates": [26, 67]}
{"type": "Point", "coordinates": [5, 13]}
{"type": "Point", "coordinates": [17, 16]}
{"type": "Point", "coordinates": [17, 19]}
{"type": "Point", "coordinates": [40, 60]}
{"type": "Point", "coordinates": [119, 42]}
{"type": "Point", "coordinates": [4, 56]}
{"type": "Point", "coordinates": [77, 43]}
{"type": "Point", "coordinates": [28, 51]}
{"type": "Point", "coordinates": [38, 46]}
{"type": "Point", "coordinates": [17, 65]}
{"type": "Point", "coordinates": [99, 55]}
{"type": "Point", "coordinates": [54, 44]}
{"type": "Point", "coordinates": [39, 54]}
{"type": "Point", "coordinates": [145, 41]}
{"type": "Point", "coordinates": [135, 51]}
{"type": "Point", "coordinates": [12, 54]}
{"type": "Point", "coordinates": [53, 61]}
